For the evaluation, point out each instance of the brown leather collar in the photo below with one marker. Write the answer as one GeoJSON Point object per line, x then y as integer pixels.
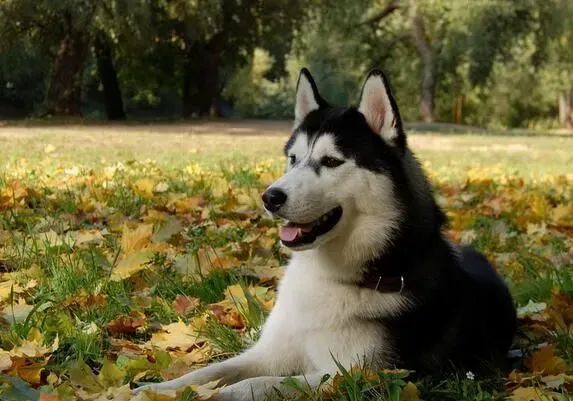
{"type": "Point", "coordinates": [383, 283]}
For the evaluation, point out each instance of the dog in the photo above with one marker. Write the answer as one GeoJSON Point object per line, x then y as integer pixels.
{"type": "Point", "coordinates": [372, 280]}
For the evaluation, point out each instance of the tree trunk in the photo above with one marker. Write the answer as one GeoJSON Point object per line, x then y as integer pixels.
{"type": "Point", "coordinates": [566, 109]}
{"type": "Point", "coordinates": [458, 109]}
{"type": "Point", "coordinates": [426, 53]}
{"type": "Point", "coordinates": [201, 78]}
{"type": "Point", "coordinates": [108, 77]}
{"type": "Point", "coordinates": [65, 91]}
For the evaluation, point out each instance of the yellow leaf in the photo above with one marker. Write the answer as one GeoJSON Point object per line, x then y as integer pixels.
{"type": "Point", "coordinates": [526, 394]}
{"type": "Point", "coordinates": [5, 360]}
{"type": "Point", "coordinates": [539, 205]}
{"type": "Point", "coordinates": [561, 213]}
{"type": "Point", "coordinates": [545, 361]}
{"type": "Point", "coordinates": [206, 391]}
{"type": "Point", "coordinates": [34, 346]}
{"type": "Point", "coordinates": [219, 187]}
{"type": "Point", "coordinates": [6, 289]}
{"type": "Point", "coordinates": [131, 264]}
{"type": "Point", "coordinates": [144, 188]}
{"type": "Point", "coordinates": [111, 375]}
{"type": "Point", "coordinates": [133, 240]}
{"type": "Point", "coordinates": [161, 187]}
{"type": "Point", "coordinates": [410, 393]}
{"type": "Point", "coordinates": [122, 393]}
{"type": "Point", "coordinates": [159, 395]}
{"type": "Point", "coordinates": [88, 237]}
{"type": "Point", "coordinates": [178, 335]}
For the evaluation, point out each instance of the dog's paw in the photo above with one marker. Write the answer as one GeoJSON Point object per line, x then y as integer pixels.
{"type": "Point", "coordinates": [254, 389]}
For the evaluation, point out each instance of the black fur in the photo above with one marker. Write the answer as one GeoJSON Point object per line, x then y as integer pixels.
{"type": "Point", "coordinates": [463, 315]}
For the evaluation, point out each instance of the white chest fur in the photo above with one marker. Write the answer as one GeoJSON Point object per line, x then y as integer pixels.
{"type": "Point", "coordinates": [317, 318]}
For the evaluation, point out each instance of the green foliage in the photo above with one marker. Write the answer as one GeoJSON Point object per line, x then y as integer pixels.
{"type": "Point", "coordinates": [506, 61]}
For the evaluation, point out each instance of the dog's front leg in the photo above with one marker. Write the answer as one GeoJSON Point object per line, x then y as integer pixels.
{"type": "Point", "coordinates": [263, 387]}
{"type": "Point", "coordinates": [243, 366]}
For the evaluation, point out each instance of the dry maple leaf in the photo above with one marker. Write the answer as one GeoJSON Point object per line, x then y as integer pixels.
{"type": "Point", "coordinates": [544, 361]}
{"type": "Point", "coordinates": [410, 393]}
{"type": "Point", "coordinates": [227, 315]}
{"type": "Point", "coordinates": [86, 237]}
{"type": "Point", "coordinates": [182, 204]}
{"type": "Point", "coordinates": [131, 264]}
{"type": "Point", "coordinates": [144, 188]}
{"type": "Point", "coordinates": [7, 287]}
{"type": "Point", "coordinates": [33, 346]}
{"type": "Point", "coordinates": [85, 300]}
{"type": "Point", "coordinates": [133, 240]}
{"type": "Point", "coordinates": [526, 394]}
{"type": "Point", "coordinates": [127, 324]}
{"type": "Point", "coordinates": [178, 335]}
{"type": "Point", "coordinates": [206, 391]}
{"type": "Point", "coordinates": [184, 304]}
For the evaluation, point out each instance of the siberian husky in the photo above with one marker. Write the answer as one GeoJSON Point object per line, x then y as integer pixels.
{"type": "Point", "coordinates": [372, 279]}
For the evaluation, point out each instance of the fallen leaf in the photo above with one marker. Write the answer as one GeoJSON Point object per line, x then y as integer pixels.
{"type": "Point", "coordinates": [144, 188]}
{"type": "Point", "coordinates": [206, 391]}
{"type": "Point", "coordinates": [34, 346]}
{"type": "Point", "coordinates": [133, 240]}
{"type": "Point", "coordinates": [526, 394]}
{"type": "Point", "coordinates": [5, 360]}
{"type": "Point", "coordinates": [7, 287]}
{"type": "Point", "coordinates": [184, 304]}
{"type": "Point", "coordinates": [410, 393]}
{"type": "Point", "coordinates": [127, 324]}
{"type": "Point", "coordinates": [544, 361]}
{"type": "Point", "coordinates": [132, 264]}
{"type": "Point", "coordinates": [111, 375]}
{"type": "Point", "coordinates": [178, 335]}
{"type": "Point", "coordinates": [84, 237]}
{"type": "Point", "coordinates": [167, 230]}
{"type": "Point", "coordinates": [18, 312]}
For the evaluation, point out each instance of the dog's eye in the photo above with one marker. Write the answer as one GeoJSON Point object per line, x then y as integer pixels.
{"type": "Point", "coordinates": [292, 159]}
{"type": "Point", "coordinates": [330, 162]}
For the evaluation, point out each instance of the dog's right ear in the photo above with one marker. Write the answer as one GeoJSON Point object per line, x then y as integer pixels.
{"type": "Point", "coordinates": [380, 110]}
{"type": "Point", "coordinates": [307, 97]}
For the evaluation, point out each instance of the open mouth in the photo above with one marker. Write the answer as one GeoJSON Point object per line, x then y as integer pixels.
{"type": "Point", "coordinates": [294, 234]}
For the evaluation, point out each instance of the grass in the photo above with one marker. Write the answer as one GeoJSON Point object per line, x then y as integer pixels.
{"type": "Point", "coordinates": [135, 253]}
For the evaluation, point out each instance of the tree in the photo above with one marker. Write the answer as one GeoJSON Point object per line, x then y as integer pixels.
{"type": "Point", "coordinates": [62, 26]}
{"type": "Point", "coordinates": [69, 28]}
{"type": "Point", "coordinates": [213, 38]}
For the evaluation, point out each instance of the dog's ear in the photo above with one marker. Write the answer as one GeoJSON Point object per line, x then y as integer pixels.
{"type": "Point", "coordinates": [380, 110]}
{"type": "Point", "coordinates": [307, 97]}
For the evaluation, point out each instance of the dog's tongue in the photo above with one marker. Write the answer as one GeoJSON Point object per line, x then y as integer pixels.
{"type": "Point", "coordinates": [288, 233]}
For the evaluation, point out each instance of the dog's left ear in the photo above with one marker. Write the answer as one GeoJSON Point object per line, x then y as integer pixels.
{"type": "Point", "coordinates": [380, 110]}
{"type": "Point", "coordinates": [307, 97]}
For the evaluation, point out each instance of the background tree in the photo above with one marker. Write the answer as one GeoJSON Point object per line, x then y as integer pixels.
{"type": "Point", "coordinates": [486, 62]}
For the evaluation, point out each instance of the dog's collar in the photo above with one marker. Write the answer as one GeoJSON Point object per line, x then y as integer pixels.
{"type": "Point", "coordinates": [383, 283]}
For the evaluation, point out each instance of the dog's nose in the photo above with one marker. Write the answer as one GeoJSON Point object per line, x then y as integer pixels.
{"type": "Point", "coordinates": [273, 199]}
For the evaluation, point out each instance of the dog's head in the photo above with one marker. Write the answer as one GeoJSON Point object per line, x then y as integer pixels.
{"type": "Point", "coordinates": [343, 168]}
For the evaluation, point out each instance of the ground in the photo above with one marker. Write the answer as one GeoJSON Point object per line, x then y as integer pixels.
{"type": "Point", "coordinates": [134, 253]}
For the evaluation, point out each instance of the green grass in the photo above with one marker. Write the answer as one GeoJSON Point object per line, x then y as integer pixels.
{"type": "Point", "coordinates": [59, 182]}
{"type": "Point", "coordinates": [525, 154]}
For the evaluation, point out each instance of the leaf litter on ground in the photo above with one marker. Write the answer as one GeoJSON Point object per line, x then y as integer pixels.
{"type": "Point", "coordinates": [135, 274]}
